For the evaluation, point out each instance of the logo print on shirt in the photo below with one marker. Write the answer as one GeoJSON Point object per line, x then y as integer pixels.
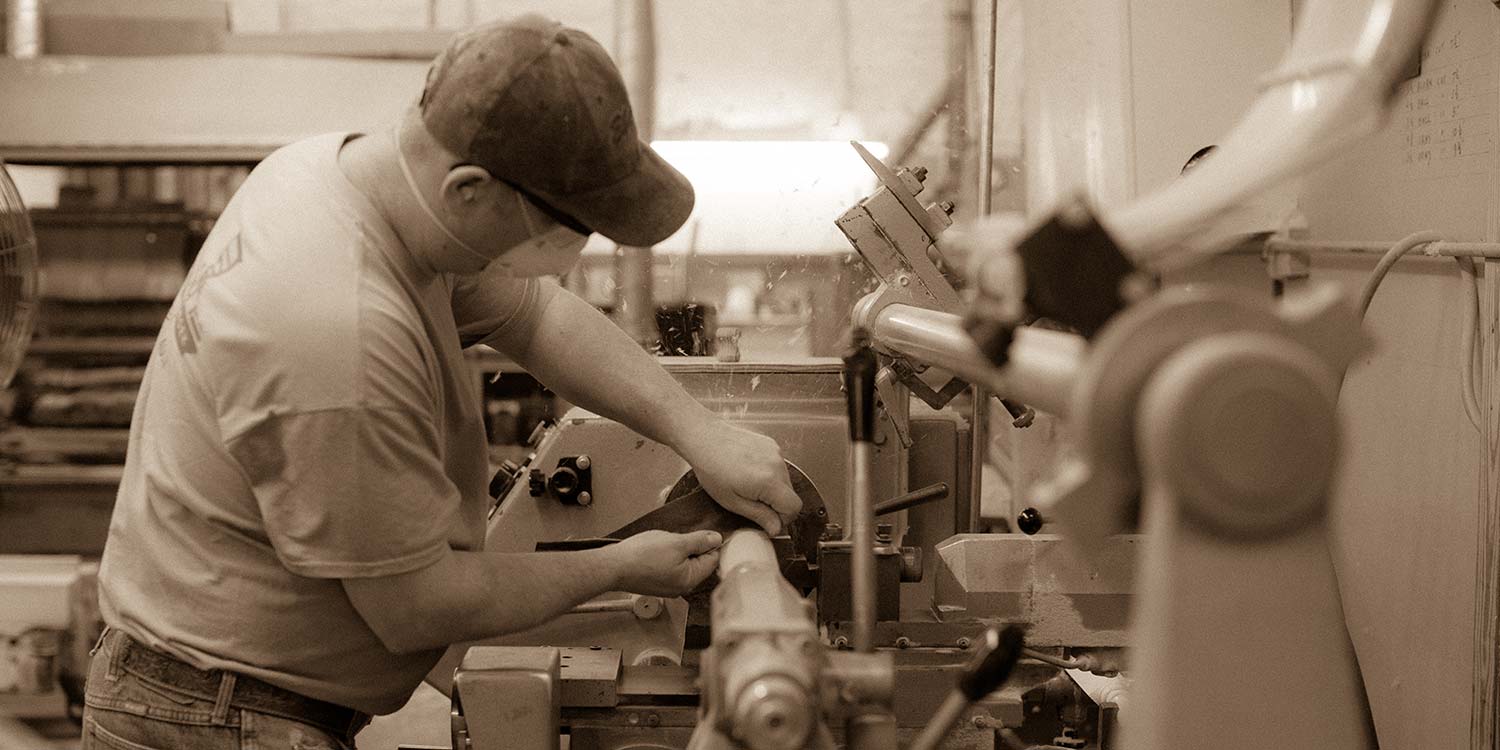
{"type": "Point", "coordinates": [185, 318]}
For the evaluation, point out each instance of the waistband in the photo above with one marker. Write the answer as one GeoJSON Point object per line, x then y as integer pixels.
{"type": "Point", "coordinates": [242, 691]}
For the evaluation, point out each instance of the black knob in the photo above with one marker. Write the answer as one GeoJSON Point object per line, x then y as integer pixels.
{"type": "Point", "coordinates": [1030, 521]}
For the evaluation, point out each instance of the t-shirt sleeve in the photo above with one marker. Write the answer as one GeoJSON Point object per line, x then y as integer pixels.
{"type": "Point", "coordinates": [349, 492]}
{"type": "Point", "coordinates": [498, 310]}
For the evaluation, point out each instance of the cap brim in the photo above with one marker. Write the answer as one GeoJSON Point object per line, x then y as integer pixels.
{"type": "Point", "coordinates": [642, 209]}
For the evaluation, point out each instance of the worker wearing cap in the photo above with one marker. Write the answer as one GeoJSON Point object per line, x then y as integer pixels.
{"type": "Point", "coordinates": [297, 536]}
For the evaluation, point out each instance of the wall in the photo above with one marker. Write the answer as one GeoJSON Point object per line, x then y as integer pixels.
{"type": "Point", "coordinates": [1407, 514]}
{"type": "Point", "coordinates": [1406, 520]}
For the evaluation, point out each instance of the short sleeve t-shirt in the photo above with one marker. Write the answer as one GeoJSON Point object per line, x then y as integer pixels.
{"type": "Point", "coordinates": [306, 416]}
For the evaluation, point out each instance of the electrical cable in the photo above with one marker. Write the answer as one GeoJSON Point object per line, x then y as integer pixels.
{"type": "Point", "coordinates": [1470, 355]}
{"type": "Point", "coordinates": [1402, 247]}
{"type": "Point", "coordinates": [1470, 359]}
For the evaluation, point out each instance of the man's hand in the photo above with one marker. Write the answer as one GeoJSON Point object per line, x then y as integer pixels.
{"type": "Point", "coordinates": [744, 472]}
{"type": "Point", "coordinates": [660, 563]}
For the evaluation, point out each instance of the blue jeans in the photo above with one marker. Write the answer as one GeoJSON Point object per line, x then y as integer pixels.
{"type": "Point", "coordinates": [126, 710]}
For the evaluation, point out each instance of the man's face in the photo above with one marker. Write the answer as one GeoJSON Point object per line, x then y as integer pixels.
{"type": "Point", "coordinates": [551, 248]}
{"type": "Point", "coordinates": [503, 230]}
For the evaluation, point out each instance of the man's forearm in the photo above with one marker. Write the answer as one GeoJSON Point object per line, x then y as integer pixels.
{"type": "Point", "coordinates": [588, 360]}
{"type": "Point", "coordinates": [469, 596]}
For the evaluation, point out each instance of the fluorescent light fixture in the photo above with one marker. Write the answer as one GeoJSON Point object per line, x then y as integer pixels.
{"type": "Point", "coordinates": [765, 196]}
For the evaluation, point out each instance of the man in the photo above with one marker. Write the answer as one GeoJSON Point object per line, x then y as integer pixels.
{"type": "Point", "coordinates": [297, 534]}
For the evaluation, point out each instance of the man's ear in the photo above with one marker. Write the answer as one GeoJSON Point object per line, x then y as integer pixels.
{"type": "Point", "coordinates": [464, 183]}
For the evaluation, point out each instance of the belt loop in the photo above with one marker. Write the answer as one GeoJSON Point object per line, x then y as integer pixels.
{"type": "Point", "coordinates": [116, 652]}
{"type": "Point", "coordinates": [221, 703]}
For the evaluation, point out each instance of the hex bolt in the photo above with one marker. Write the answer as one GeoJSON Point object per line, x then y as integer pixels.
{"type": "Point", "coordinates": [920, 173]}
{"type": "Point", "coordinates": [903, 280]}
{"type": "Point", "coordinates": [964, 642]}
{"type": "Point", "coordinates": [946, 206]}
{"type": "Point", "coordinates": [582, 462]}
{"type": "Point", "coordinates": [585, 498]}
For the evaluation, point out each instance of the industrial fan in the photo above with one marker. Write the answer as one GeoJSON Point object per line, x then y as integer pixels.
{"type": "Point", "coordinates": [18, 278]}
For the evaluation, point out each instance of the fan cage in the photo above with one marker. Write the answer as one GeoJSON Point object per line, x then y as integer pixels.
{"type": "Point", "coordinates": [18, 278]}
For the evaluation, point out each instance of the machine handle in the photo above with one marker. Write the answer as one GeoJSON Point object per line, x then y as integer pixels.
{"type": "Point", "coordinates": [859, 384]}
{"type": "Point", "coordinates": [912, 499]}
{"type": "Point", "coordinates": [1002, 649]}
{"type": "Point", "coordinates": [999, 652]}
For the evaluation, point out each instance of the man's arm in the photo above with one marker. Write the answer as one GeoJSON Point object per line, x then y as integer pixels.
{"type": "Point", "coordinates": [469, 596]}
{"type": "Point", "coordinates": [589, 361]}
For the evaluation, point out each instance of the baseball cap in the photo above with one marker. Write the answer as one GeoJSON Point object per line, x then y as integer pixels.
{"type": "Point", "coordinates": [543, 108]}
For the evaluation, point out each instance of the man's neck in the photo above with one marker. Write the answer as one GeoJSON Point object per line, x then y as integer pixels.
{"type": "Point", "coordinates": [369, 163]}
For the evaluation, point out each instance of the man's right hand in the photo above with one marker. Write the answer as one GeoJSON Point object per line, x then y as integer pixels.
{"type": "Point", "coordinates": [660, 563]}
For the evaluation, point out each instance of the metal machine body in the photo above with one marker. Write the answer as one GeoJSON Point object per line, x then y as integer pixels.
{"type": "Point", "coordinates": [928, 630]}
{"type": "Point", "coordinates": [801, 405]}
{"type": "Point", "coordinates": [937, 589]}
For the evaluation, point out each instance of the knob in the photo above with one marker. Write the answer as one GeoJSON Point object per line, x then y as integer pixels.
{"type": "Point", "coordinates": [1030, 521]}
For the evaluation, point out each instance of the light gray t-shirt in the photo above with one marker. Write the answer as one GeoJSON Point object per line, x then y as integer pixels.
{"type": "Point", "coordinates": [306, 416]}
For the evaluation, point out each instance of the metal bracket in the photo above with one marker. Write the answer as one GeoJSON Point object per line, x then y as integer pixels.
{"type": "Point", "coordinates": [895, 236]}
{"type": "Point", "coordinates": [888, 389]}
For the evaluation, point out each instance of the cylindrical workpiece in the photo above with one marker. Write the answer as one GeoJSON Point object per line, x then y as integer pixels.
{"type": "Point", "coordinates": [745, 547]}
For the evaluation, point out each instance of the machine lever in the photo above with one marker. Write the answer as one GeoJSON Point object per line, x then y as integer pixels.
{"type": "Point", "coordinates": [859, 390]}
{"type": "Point", "coordinates": [1000, 651]}
{"type": "Point", "coordinates": [643, 607]}
{"type": "Point", "coordinates": [927, 494]}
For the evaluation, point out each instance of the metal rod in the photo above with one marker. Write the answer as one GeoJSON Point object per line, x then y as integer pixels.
{"type": "Point", "coordinates": [1442, 249]}
{"type": "Point", "coordinates": [980, 423]}
{"type": "Point", "coordinates": [23, 24]}
{"type": "Point", "coordinates": [960, 41]}
{"type": "Point", "coordinates": [1043, 364]}
{"type": "Point", "coordinates": [987, 114]}
{"type": "Point", "coordinates": [912, 499]}
{"type": "Point", "coordinates": [862, 540]}
{"type": "Point", "coordinates": [634, 266]}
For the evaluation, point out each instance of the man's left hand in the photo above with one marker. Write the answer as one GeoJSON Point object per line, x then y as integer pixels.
{"type": "Point", "coordinates": [744, 472]}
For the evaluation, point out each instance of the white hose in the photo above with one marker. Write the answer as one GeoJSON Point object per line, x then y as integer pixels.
{"type": "Point", "coordinates": [1469, 356]}
{"type": "Point", "coordinates": [1402, 247]}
